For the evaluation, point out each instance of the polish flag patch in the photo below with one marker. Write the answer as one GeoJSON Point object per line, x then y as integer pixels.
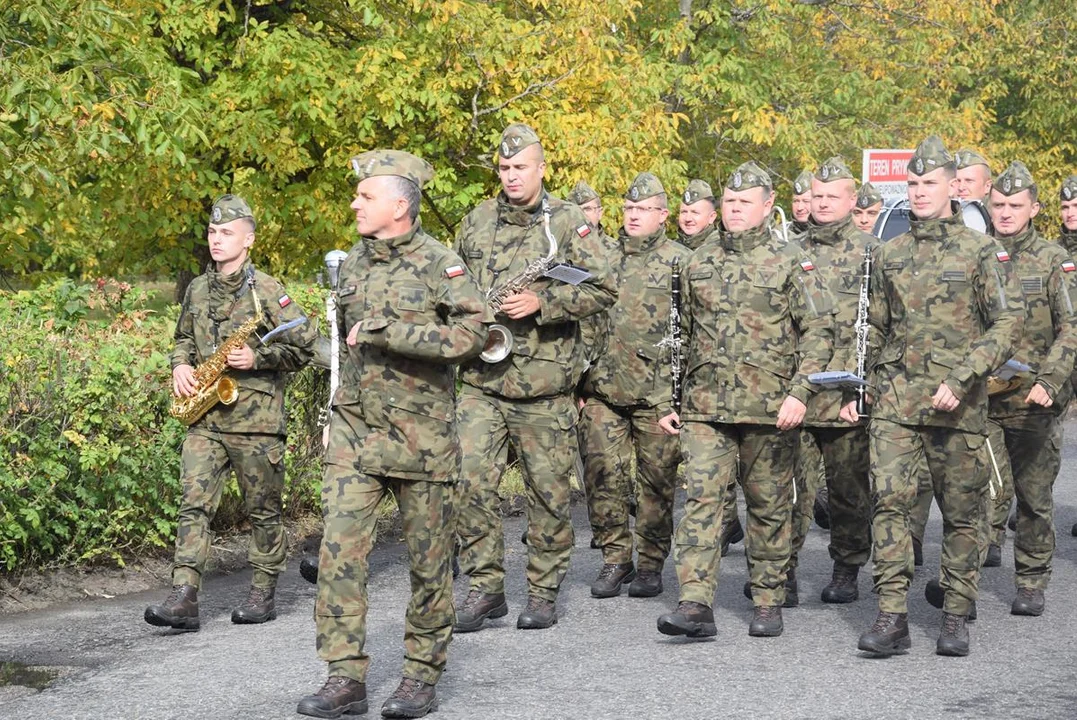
{"type": "Point", "coordinates": [807, 265]}
{"type": "Point", "coordinates": [1002, 256]}
{"type": "Point", "coordinates": [454, 271]}
{"type": "Point", "coordinates": [1068, 266]}
{"type": "Point", "coordinates": [284, 301]}
{"type": "Point", "coordinates": [583, 230]}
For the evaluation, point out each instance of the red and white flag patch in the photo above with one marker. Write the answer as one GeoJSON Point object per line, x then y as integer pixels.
{"type": "Point", "coordinates": [807, 265]}
{"type": "Point", "coordinates": [583, 230]}
{"type": "Point", "coordinates": [284, 301]}
{"type": "Point", "coordinates": [1002, 256]}
{"type": "Point", "coordinates": [1068, 266]}
{"type": "Point", "coordinates": [454, 271]}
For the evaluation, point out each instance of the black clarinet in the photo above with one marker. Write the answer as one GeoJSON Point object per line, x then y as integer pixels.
{"type": "Point", "coordinates": [862, 332]}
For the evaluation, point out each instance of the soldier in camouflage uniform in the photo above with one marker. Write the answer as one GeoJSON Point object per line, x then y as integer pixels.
{"type": "Point", "coordinates": [247, 436]}
{"type": "Point", "coordinates": [869, 203]}
{"type": "Point", "coordinates": [752, 302]}
{"type": "Point", "coordinates": [1068, 197]}
{"type": "Point", "coordinates": [801, 207]}
{"type": "Point", "coordinates": [625, 394]}
{"type": "Point", "coordinates": [593, 327]}
{"type": "Point", "coordinates": [408, 311]}
{"type": "Point", "coordinates": [527, 398]}
{"type": "Point", "coordinates": [973, 176]}
{"type": "Point", "coordinates": [945, 310]}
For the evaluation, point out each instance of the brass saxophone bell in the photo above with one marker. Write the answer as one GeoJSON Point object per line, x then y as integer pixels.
{"type": "Point", "coordinates": [499, 344]}
{"type": "Point", "coordinates": [227, 390]}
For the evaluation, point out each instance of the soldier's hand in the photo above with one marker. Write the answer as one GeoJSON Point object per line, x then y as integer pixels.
{"type": "Point", "coordinates": [241, 359]}
{"type": "Point", "coordinates": [1039, 395]}
{"type": "Point", "coordinates": [791, 413]}
{"type": "Point", "coordinates": [369, 331]}
{"type": "Point", "coordinates": [183, 382]}
{"type": "Point", "coordinates": [944, 399]}
{"type": "Point", "coordinates": [521, 305]}
{"type": "Point", "coordinates": [848, 413]}
{"type": "Point", "coordinates": [671, 424]}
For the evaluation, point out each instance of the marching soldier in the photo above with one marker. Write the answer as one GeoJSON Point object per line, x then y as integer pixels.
{"type": "Point", "coordinates": [752, 304]}
{"type": "Point", "coordinates": [527, 398]}
{"type": "Point", "coordinates": [945, 310]}
{"type": "Point", "coordinates": [626, 393]}
{"type": "Point", "coordinates": [591, 204]}
{"type": "Point", "coordinates": [246, 436]}
{"type": "Point", "coordinates": [409, 311]}
{"type": "Point", "coordinates": [697, 215]}
{"type": "Point", "coordinates": [1068, 197]}
{"type": "Point", "coordinates": [973, 176]}
{"type": "Point", "coordinates": [869, 203]}
{"type": "Point", "coordinates": [801, 203]}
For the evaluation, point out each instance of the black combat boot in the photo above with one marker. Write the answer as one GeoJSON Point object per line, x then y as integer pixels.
{"type": "Point", "coordinates": [538, 615]}
{"type": "Point", "coordinates": [767, 622]}
{"type": "Point", "coordinates": [936, 596]}
{"type": "Point", "coordinates": [648, 583]}
{"type": "Point", "coordinates": [610, 578]}
{"type": "Point", "coordinates": [308, 569]}
{"type": "Point", "coordinates": [1029, 601]}
{"type": "Point", "coordinates": [179, 611]}
{"type": "Point", "coordinates": [477, 608]}
{"type": "Point", "coordinates": [821, 508]}
{"type": "Point", "coordinates": [994, 556]}
{"type": "Point", "coordinates": [411, 699]}
{"type": "Point", "coordinates": [792, 594]}
{"type": "Point", "coordinates": [732, 532]}
{"type": "Point", "coordinates": [917, 551]}
{"type": "Point", "coordinates": [691, 619]}
{"type": "Point", "coordinates": [339, 696]}
{"type": "Point", "coordinates": [842, 588]}
{"type": "Point", "coordinates": [257, 608]}
{"type": "Point", "coordinates": [954, 638]}
{"type": "Point", "coordinates": [888, 636]}
{"type": "Point", "coordinates": [1073, 530]}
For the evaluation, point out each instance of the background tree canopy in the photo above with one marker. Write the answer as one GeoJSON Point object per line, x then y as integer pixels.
{"type": "Point", "coordinates": [121, 120]}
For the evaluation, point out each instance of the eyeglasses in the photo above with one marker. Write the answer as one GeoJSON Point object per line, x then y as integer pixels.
{"type": "Point", "coordinates": [630, 209]}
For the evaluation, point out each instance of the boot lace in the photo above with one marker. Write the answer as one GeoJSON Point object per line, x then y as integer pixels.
{"type": "Point", "coordinates": [883, 622]}
{"type": "Point", "coordinates": [951, 624]}
{"type": "Point", "coordinates": [333, 685]}
{"type": "Point", "coordinates": [407, 688]}
{"type": "Point", "coordinates": [607, 571]}
{"type": "Point", "coordinates": [473, 598]}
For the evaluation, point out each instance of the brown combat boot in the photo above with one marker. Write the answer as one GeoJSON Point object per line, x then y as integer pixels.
{"type": "Point", "coordinates": [842, 588]}
{"type": "Point", "coordinates": [1029, 601]}
{"type": "Point", "coordinates": [767, 622]}
{"type": "Point", "coordinates": [954, 638]}
{"type": "Point", "coordinates": [257, 608]}
{"type": "Point", "coordinates": [691, 618]}
{"type": "Point", "coordinates": [648, 583]}
{"type": "Point", "coordinates": [179, 611]}
{"type": "Point", "coordinates": [610, 578]}
{"type": "Point", "coordinates": [477, 608]}
{"type": "Point", "coordinates": [732, 532]}
{"type": "Point", "coordinates": [339, 696]}
{"type": "Point", "coordinates": [888, 636]}
{"type": "Point", "coordinates": [411, 699]}
{"type": "Point", "coordinates": [538, 615]}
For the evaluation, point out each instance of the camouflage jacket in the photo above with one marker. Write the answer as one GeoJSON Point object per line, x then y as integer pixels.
{"type": "Point", "coordinates": [694, 242]}
{"type": "Point", "coordinates": [593, 328]}
{"type": "Point", "coordinates": [214, 307]}
{"type": "Point", "coordinates": [634, 371]}
{"type": "Point", "coordinates": [1068, 240]}
{"type": "Point", "coordinates": [945, 305]}
{"type": "Point", "coordinates": [752, 302]}
{"type": "Point", "coordinates": [420, 313]}
{"type": "Point", "coordinates": [838, 251]}
{"type": "Point", "coordinates": [498, 241]}
{"type": "Point", "coordinates": [1048, 344]}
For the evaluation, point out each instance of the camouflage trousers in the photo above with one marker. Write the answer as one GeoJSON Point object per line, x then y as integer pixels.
{"type": "Point", "coordinates": [957, 464]}
{"type": "Point", "coordinates": [543, 434]}
{"type": "Point", "coordinates": [1028, 455]}
{"type": "Point", "coordinates": [765, 469]}
{"type": "Point", "coordinates": [207, 459]}
{"type": "Point", "coordinates": [609, 437]}
{"type": "Point", "coordinates": [844, 472]}
{"type": "Point", "coordinates": [350, 500]}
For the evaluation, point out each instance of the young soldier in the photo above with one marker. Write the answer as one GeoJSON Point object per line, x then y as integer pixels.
{"type": "Point", "coordinates": [869, 203]}
{"type": "Point", "coordinates": [1068, 197]}
{"type": "Point", "coordinates": [801, 203]}
{"type": "Point", "coordinates": [626, 393]}
{"type": "Point", "coordinates": [584, 195]}
{"type": "Point", "coordinates": [246, 436]}
{"type": "Point", "coordinates": [973, 176]}
{"type": "Point", "coordinates": [408, 311]}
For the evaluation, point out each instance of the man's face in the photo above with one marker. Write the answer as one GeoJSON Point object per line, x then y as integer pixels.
{"type": "Point", "coordinates": [592, 210]}
{"type": "Point", "coordinates": [832, 201]}
{"type": "Point", "coordinates": [376, 208]}
{"type": "Point", "coordinates": [1011, 214]}
{"type": "Point", "coordinates": [929, 194]}
{"type": "Point", "coordinates": [229, 241]}
{"type": "Point", "coordinates": [746, 209]}
{"type": "Point", "coordinates": [521, 175]}
{"type": "Point", "coordinates": [691, 219]}
{"type": "Point", "coordinates": [864, 218]}
{"type": "Point", "coordinates": [644, 217]}
{"type": "Point", "coordinates": [802, 206]}
{"type": "Point", "coordinates": [1069, 214]}
{"type": "Point", "coordinates": [973, 183]}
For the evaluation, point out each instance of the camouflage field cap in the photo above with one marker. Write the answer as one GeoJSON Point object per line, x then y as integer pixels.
{"type": "Point", "coordinates": [930, 155]}
{"type": "Point", "coordinates": [392, 162]}
{"type": "Point", "coordinates": [229, 207]}
{"type": "Point", "coordinates": [582, 193]}
{"type": "Point", "coordinates": [1069, 188]}
{"type": "Point", "coordinates": [646, 185]}
{"type": "Point", "coordinates": [1014, 179]}
{"type": "Point", "coordinates": [833, 169]}
{"type": "Point", "coordinates": [697, 190]}
{"type": "Point", "coordinates": [748, 176]}
{"type": "Point", "coordinates": [867, 196]}
{"type": "Point", "coordinates": [965, 158]}
{"type": "Point", "coordinates": [515, 138]}
{"type": "Point", "coordinates": [803, 183]}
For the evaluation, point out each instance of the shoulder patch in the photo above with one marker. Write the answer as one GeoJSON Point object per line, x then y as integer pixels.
{"type": "Point", "coordinates": [1002, 256]}
{"type": "Point", "coordinates": [583, 230]}
{"type": "Point", "coordinates": [807, 265]}
{"type": "Point", "coordinates": [1068, 266]}
{"type": "Point", "coordinates": [284, 301]}
{"type": "Point", "coordinates": [454, 271]}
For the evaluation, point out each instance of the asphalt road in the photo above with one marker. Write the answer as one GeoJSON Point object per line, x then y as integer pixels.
{"type": "Point", "coordinates": [604, 659]}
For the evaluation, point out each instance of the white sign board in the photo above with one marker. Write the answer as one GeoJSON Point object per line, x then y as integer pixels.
{"type": "Point", "coordinates": [887, 171]}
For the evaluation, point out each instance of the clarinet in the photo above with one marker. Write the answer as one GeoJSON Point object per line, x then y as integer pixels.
{"type": "Point", "coordinates": [333, 260]}
{"type": "Point", "coordinates": [862, 332]}
{"type": "Point", "coordinates": [672, 340]}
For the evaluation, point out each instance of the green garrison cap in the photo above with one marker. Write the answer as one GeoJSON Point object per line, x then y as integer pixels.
{"type": "Point", "coordinates": [392, 162]}
{"type": "Point", "coordinates": [833, 169]}
{"type": "Point", "coordinates": [748, 176]}
{"type": "Point", "coordinates": [803, 183]}
{"type": "Point", "coordinates": [515, 138]}
{"type": "Point", "coordinates": [228, 208]}
{"type": "Point", "coordinates": [582, 193]}
{"type": "Point", "coordinates": [1014, 179]}
{"type": "Point", "coordinates": [697, 190]}
{"type": "Point", "coordinates": [867, 196]}
{"type": "Point", "coordinates": [965, 158]}
{"type": "Point", "coordinates": [1069, 188]}
{"type": "Point", "coordinates": [644, 186]}
{"type": "Point", "coordinates": [930, 155]}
